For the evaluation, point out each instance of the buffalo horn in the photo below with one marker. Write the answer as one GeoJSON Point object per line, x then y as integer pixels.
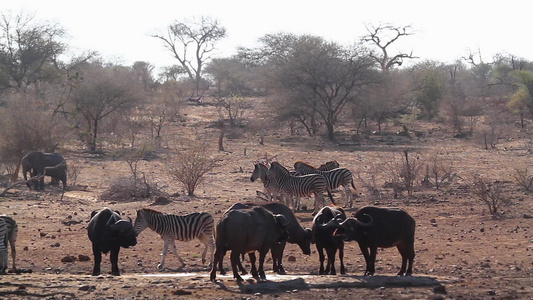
{"type": "Point", "coordinates": [366, 224]}
{"type": "Point", "coordinates": [282, 220]}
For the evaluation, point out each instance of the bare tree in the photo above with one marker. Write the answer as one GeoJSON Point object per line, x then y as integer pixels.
{"type": "Point", "coordinates": [382, 37]}
{"type": "Point", "coordinates": [196, 36]}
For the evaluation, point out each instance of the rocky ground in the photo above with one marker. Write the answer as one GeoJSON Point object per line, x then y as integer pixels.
{"type": "Point", "coordinates": [462, 252]}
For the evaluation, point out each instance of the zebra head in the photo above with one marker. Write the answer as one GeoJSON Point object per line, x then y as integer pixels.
{"type": "Point", "coordinates": [260, 171]}
{"type": "Point", "coordinates": [140, 221]}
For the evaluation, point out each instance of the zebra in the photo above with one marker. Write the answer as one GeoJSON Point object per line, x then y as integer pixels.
{"type": "Point", "coordinates": [298, 186]}
{"type": "Point", "coordinates": [335, 178]}
{"type": "Point", "coordinates": [8, 233]}
{"type": "Point", "coordinates": [271, 186]}
{"type": "Point", "coordinates": [183, 228]}
{"type": "Point", "coordinates": [329, 165]}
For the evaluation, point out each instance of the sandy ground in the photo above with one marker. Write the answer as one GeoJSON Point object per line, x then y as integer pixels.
{"type": "Point", "coordinates": [462, 252]}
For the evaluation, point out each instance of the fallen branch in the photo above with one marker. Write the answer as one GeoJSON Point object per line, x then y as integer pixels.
{"type": "Point", "coordinates": [34, 178]}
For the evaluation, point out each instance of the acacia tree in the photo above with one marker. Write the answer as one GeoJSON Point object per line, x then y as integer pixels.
{"type": "Point", "coordinates": [321, 75]}
{"type": "Point", "coordinates": [382, 37]}
{"type": "Point", "coordinates": [105, 89]}
{"type": "Point", "coordinates": [28, 51]}
{"type": "Point", "coordinates": [198, 37]}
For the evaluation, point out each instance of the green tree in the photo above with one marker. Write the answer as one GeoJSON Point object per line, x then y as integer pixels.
{"type": "Point", "coordinates": [315, 73]}
{"type": "Point", "coordinates": [521, 101]}
{"type": "Point", "coordinates": [28, 51]}
{"type": "Point", "coordinates": [105, 89]}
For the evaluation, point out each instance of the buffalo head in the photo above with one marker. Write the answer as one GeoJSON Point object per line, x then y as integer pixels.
{"type": "Point", "coordinates": [125, 232]}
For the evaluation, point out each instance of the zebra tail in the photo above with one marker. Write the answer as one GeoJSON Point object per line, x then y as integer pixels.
{"type": "Point", "coordinates": [331, 197]}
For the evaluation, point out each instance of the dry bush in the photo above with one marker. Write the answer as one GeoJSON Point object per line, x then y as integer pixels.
{"type": "Point", "coordinates": [490, 193]}
{"type": "Point", "coordinates": [126, 189]}
{"type": "Point", "coordinates": [368, 178]}
{"type": "Point", "coordinates": [439, 169]}
{"type": "Point", "coordinates": [523, 179]}
{"type": "Point", "coordinates": [188, 165]}
{"type": "Point", "coordinates": [27, 124]}
{"type": "Point", "coordinates": [402, 174]}
{"type": "Point", "coordinates": [73, 171]}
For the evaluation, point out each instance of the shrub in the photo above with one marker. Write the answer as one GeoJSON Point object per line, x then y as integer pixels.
{"type": "Point", "coordinates": [189, 165]}
{"type": "Point", "coordinates": [523, 179]}
{"type": "Point", "coordinates": [490, 193]}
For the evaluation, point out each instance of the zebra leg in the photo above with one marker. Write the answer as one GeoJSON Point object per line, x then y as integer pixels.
{"type": "Point", "coordinates": [12, 241]}
{"type": "Point", "coordinates": [175, 251]}
{"type": "Point", "coordinates": [3, 257]}
{"type": "Point", "coordinates": [318, 201]}
{"type": "Point", "coordinates": [208, 243]}
{"type": "Point", "coordinates": [161, 264]}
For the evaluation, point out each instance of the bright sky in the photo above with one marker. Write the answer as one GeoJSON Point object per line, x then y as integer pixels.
{"type": "Point", "coordinates": [444, 30]}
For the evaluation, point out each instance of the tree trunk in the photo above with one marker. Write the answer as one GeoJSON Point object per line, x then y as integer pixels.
{"type": "Point", "coordinates": [94, 136]}
{"type": "Point", "coordinates": [221, 136]}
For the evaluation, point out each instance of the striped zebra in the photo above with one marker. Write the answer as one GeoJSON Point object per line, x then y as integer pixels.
{"type": "Point", "coordinates": [335, 178]}
{"type": "Point", "coordinates": [299, 186]}
{"type": "Point", "coordinates": [8, 233]}
{"type": "Point", "coordinates": [271, 187]}
{"type": "Point", "coordinates": [329, 165]}
{"type": "Point", "coordinates": [183, 228]}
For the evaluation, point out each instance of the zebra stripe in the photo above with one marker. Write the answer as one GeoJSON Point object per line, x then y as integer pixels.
{"type": "Point", "coordinates": [11, 237]}
{"type": "Point", "coordinates": [330, 165]}
{"type": "Point", "coordinates": [271, 186]}
{"type": "Point", "coordinates": [300, 186]}
{"type": "Point", "coordinates": [198, 225]}
{"type": "Point", "coordinates": [335, 178]}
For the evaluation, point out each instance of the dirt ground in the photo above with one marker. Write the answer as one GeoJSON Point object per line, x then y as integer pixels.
{"type": "Point", "coordinates": [462, 252]}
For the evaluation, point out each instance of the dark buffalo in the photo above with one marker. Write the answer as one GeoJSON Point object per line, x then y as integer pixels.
{"type": "Point", "coordinates": [245, 231]}
{"type": "Point", "coordinates": [297, 234]}
{"type": "Point", "coordinates": [108, 232]}
{"type": "Point", "coordinates": [324, 238]}
{"type": "Point", "coordinates": [374, 227]}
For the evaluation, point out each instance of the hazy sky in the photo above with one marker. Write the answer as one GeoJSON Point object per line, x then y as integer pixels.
{"type": "Point", "coordinates": [443, 30]}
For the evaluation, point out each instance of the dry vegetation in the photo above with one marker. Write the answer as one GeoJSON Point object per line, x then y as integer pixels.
{"type": "Point", "coordinates": [465, 249]}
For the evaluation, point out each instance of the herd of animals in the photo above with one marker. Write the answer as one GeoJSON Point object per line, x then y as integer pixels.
{"type": "Point", "coordinates": [244, 228]}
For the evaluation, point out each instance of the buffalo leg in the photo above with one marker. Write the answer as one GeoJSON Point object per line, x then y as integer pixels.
{"type": "Point", "coordinates": [97, 260]}
{"type": "Point", "coordinates": [235, 259]}
{"type": "Point", "coordinates": [372, 267]}
{"type": "Point", "coordinates": [262, 255]}
{"type": "Point", "coordinates": [217, 259]}
{"type": "Point", "coordinates": [364, 250]}
{"type": "Point", "coordinates": [341, 259]}
{"type": "Point", "coordinates": [320, 251]}
{"type": "Point", "coordinates": [253, 259]}
{"type": "Point", "coordinates": [408, 255]}
{"type": "Point", "coordinates": [330, 267]}
{"type": "Point", "coordinates": [277, 257]}
{"type": "Point", "coordinates": [114, 261]}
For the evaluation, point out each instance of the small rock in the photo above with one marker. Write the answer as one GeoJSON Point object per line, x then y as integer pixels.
{"type": "Point", "coordinates": [68, 258]}
{"type": "Point", "coordinates": [291, 258]}
{"type": "Point", "coordinates": [88, 288]}
{"type": "Point", "coordinates": [181, 292]}
{"type": "Point", "coordinates": [55, 245]}
{"type": "Point", "coordinates": [82, 257]}
{"type": "Point", "coordinates": [526, 216]}
{"type": "Point", "coordinates": [42, 234]}
{"type": "Point", "coordinates": [440, 289]}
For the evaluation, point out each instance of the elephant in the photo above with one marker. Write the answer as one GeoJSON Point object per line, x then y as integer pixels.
{"type": "Point", "coordinates": [48, 164]}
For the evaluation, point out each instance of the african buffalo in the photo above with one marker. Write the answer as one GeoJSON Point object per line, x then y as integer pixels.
{"type": "Point", "coordinates": [297, 234]}
{"type": "Point", "coordinates": [108, 232]}
{"type": "Point", "coordinates": [245, 231]}
{"type": "Point", "coordinates": [374, 227]}
{"type": "Point", "coordinates": [324, 238]}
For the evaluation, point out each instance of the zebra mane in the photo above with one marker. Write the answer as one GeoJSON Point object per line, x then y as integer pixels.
{"type": "Point", "coordinates": [152, 211]}
{"type": "Point", "coordinates": [305, 163]}
{"type": "Point", "coordinates": [279, 166]}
